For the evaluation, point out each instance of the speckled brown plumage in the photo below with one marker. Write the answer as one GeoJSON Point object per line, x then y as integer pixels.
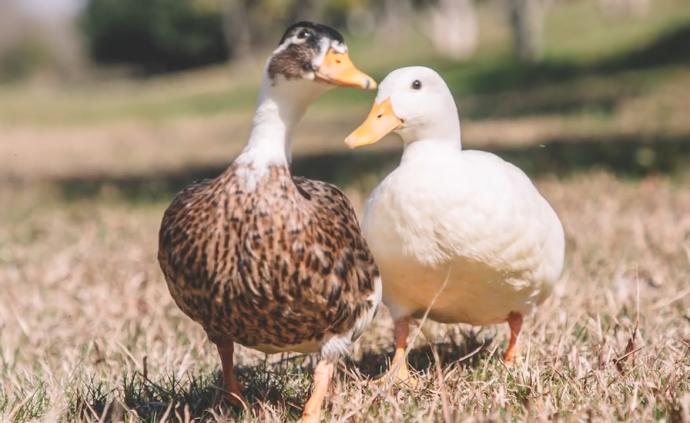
{"type": "Point", "coordinates": [296, 59]}
{"type": "Point", "coordinates": [280, 265]}
{"type": "Point", "coordinates": [292, 62]}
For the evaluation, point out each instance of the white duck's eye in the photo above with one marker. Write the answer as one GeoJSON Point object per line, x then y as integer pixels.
{"type": "Point", "coordinates": [416, 84]}
{"type": "Point", "coordinates": [304, 34]}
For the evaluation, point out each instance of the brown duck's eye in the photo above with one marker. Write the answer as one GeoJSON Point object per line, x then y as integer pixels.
{"type": "Point", "coordinates": [416, 84]}
{"type": "Point", "coordinates": [304, 34]}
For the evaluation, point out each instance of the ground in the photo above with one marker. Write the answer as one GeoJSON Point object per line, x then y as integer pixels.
{"type": "Point", "coordinates": [89, 331]}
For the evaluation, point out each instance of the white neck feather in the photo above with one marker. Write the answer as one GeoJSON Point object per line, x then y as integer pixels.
{"type": "Point", "coordinates": [441, 126]}
{"type": "Point", "coordinates": [433, 140]}
{"type": "Point", "coordinates": [430, 149]}
{"type": "Point", "coordinates": [280, 107]}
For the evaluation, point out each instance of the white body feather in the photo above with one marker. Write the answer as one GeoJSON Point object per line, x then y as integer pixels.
{"type": "Point", "coordinates": [468, 217]}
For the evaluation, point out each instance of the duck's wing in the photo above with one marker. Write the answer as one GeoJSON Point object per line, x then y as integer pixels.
{"type": "Point", "coordinates": [177, 216]}
{"type": "Point", "coordinates": [496, 215]}
{"type": "Point", "coordinates": [335, 235]}
{"type": "Point", "coordinates": [180, 240]}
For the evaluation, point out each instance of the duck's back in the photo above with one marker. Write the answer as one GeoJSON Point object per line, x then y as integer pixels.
{"type": "Point", "coordinates": [276, 264]}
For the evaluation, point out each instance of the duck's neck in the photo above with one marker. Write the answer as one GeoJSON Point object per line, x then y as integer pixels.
{"type": "Point", "coordinates": [433, 138]}
{"type": "Point", "coordinates": [430, 149]}
{"type": "Point", "coordinates": [280, 107]}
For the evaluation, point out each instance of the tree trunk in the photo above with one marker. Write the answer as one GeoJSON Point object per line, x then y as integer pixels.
{"type": "Point", "coordinates": [526, 23]}
{"type": "Point", "coordinates": [65, 45]}
{"type": "Point", "coordinates": [395, 18]}
{"type": "Point", "coordinates": [236, 27]}
{"type": "Point", "coordinates": [11, 26]}
{"type": "Point", "coordinates": [300, 10]}
{"type": "Point", "coordinates": [453, 28]}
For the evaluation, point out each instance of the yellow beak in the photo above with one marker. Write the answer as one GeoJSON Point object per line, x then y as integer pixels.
{"type": "Point", "coordinates": [380, 122]}
{"type": "Point", "coordinates": [337, 69]}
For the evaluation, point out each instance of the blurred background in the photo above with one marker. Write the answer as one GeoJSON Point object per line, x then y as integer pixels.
{"type": "Point", "coordinates": [137, 97]}
{"type": "Point", "coordinates": [109, 107]}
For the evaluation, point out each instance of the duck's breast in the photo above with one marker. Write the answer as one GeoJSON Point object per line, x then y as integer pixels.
{"type": "Point", "coordinates": [281, 267]}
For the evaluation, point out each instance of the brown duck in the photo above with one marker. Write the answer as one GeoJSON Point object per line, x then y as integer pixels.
{"type": "Point", "coordinates": [271, 261]}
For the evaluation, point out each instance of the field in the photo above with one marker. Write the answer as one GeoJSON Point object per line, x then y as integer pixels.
{"type": "Point", "coordinates": [89, 332]}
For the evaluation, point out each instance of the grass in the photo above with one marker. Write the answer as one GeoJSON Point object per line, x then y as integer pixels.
{"type": "Point", "coordinates": [88, 331]}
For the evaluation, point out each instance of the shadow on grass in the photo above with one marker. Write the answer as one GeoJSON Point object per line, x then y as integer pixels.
{"type": "Point", "coordinates": [625, 156]}
{"type": "Point", "coordinates": [670, 48]}
{"type": "Point", "coordinates": [284, 385]}
{"type": "Point", "coordinates": [149, 400]}
{"type": "Point", "coordinates": [467, 351]}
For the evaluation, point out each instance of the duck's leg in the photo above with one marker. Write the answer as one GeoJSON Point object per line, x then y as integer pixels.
{"type": "Point", "coordinates": [232, 386]}
{"type": "Point", "coordinates": [515, 322]}
{"type": "Point", "coordinates": [399, 372]}
{"type": "Point", "coordinates": [322, 380]}
{"type": "Point", "coordinates": [399, 363]}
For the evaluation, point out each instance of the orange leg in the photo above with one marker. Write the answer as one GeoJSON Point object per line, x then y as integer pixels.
{"type": "Point", "coordinates": [232, 386]}
{"type": "Point", "coordinates": [515, 322]}
{"type": "Point", "coordinates": [322, 380]}
{"type": "Point", "coordinates": [399, 372]}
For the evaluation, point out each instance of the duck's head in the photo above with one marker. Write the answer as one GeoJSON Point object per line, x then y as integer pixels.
{"type": "Point", "coordinates": [415, 103]}
{"type": "Point", "coordinates": [314, 52]}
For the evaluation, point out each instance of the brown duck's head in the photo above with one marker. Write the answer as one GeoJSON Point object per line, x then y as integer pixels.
{"type": "Point", "coordinates": [315, 52]}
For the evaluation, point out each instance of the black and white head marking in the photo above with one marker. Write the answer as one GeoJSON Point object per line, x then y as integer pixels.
{"type": "Point", "coordinates": [302, 50]}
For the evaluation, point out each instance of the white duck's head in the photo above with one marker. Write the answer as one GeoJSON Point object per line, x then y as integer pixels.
{"type": "Point", "coordinates": [415, 103]}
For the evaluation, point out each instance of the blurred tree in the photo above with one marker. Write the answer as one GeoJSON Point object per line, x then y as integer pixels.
{"type": "Point", "coordinates": [526, 18]}
{"type": "Point", "coordinates": [154, 35]}
{"type": "Point", "coordinates": [250, 24]}
{"type": "Point", "coordinates": [10, 25]}
{"type": "Point", "coordinates": [36, 44]}
{"type": "Point", "coordinates": [394, 17]}
{"type": "Point", "coordinates": [238, 34]}
{"type": "Point", "coordinates": [388, 19]}
{"type": "Point", "coordinates": [358, 16]}
{"type": "Point", "coordinates": [453, 28]}
{"type": "Point", "coordinates": [300, 10]}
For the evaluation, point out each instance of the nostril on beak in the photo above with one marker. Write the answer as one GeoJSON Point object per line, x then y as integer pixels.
{"type": "Point", "coordinates": [379, 116]}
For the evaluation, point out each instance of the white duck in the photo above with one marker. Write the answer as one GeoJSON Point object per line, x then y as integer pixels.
{"type": "Point", "coordinates": [462, 234]}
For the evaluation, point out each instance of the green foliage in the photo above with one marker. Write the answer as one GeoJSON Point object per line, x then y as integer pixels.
{"type": "Point", "coordinates": [154, 35]}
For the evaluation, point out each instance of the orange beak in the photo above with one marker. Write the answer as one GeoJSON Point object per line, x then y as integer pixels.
{"type": "Point", "coordinates": [337, 69]}
{"type": "Point", "coordinates": [380, 122]}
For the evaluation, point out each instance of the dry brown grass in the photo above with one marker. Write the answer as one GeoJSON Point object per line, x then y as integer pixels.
{"type": "Point", "coordinates": [87, 328]}
{"type": "Point", "coordinates": [88, 331]}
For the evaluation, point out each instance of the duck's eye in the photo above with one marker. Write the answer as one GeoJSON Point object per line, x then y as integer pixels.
{"type": "Point", "coordinates": [416, 84]}
{"type": "Point", "coordinates": [303, 34]}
